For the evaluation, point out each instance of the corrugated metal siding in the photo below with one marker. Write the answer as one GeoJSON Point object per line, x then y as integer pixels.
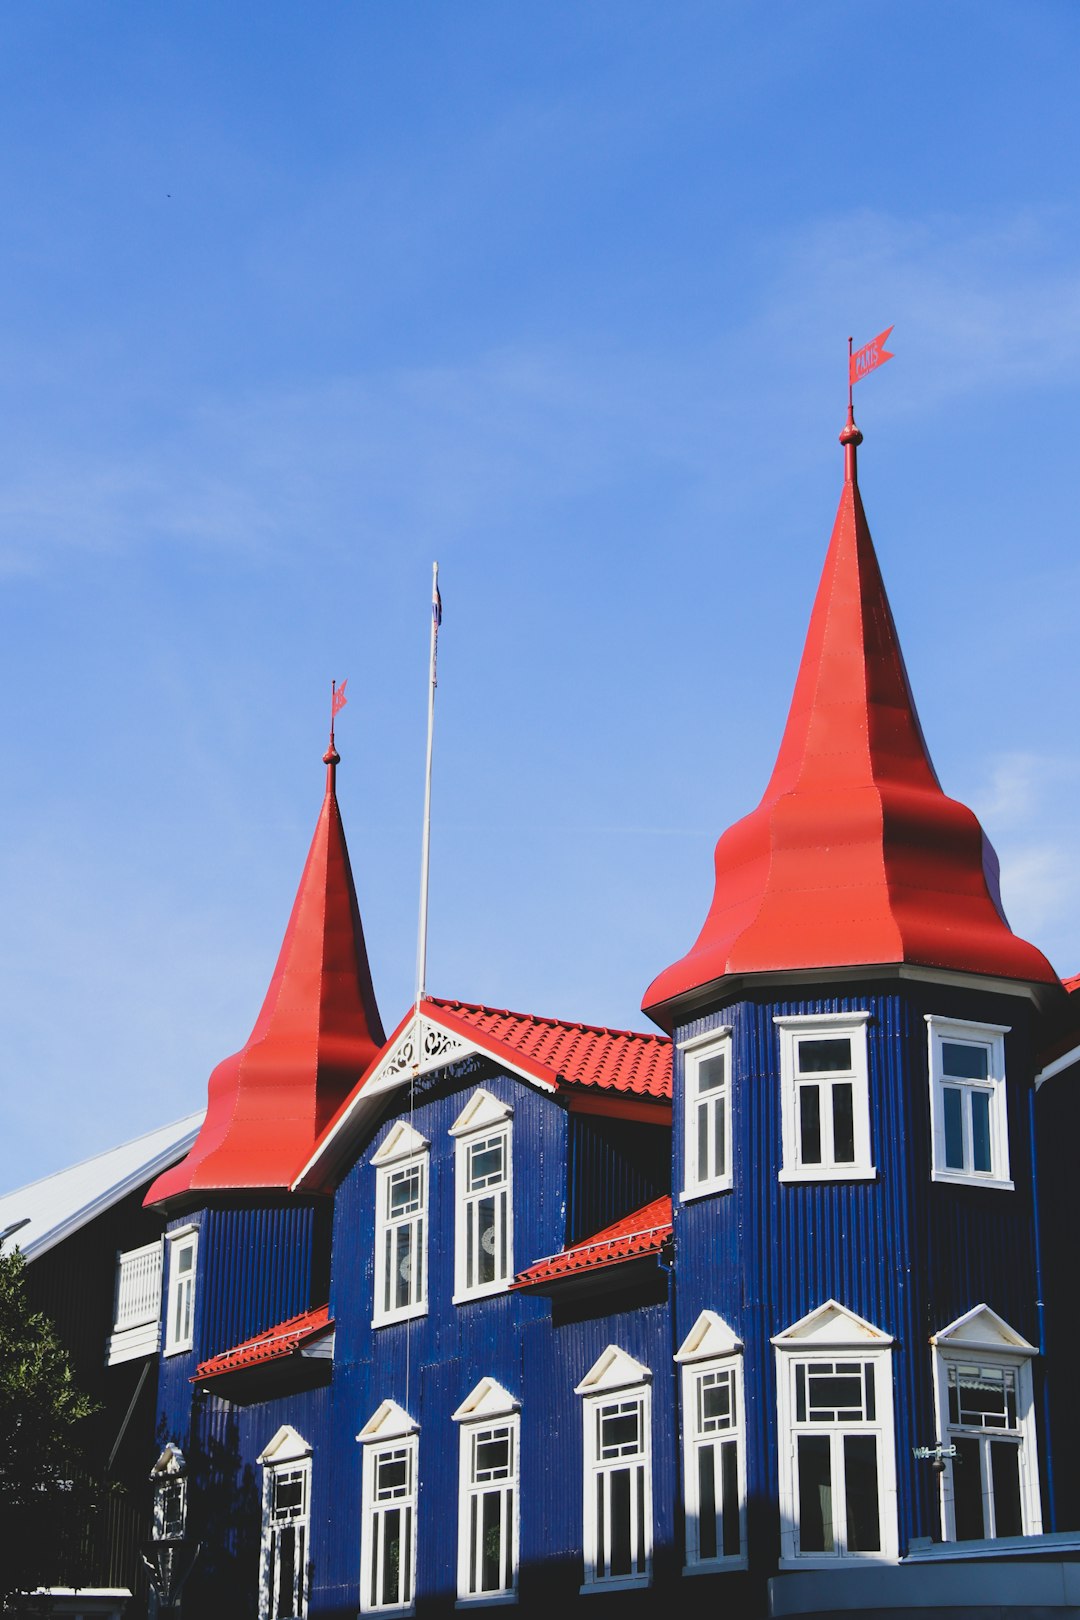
{"type": "Point", "coordinates": [615, 1166]}
{"type": "Point", "coordinates": [257, 1271]}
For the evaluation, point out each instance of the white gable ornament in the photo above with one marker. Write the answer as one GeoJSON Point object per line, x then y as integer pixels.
{"type": "Point", "coordinates": [614, 1369]}
{"type": "Point", "coordinates": [487, 1400]}
{"type": "Point", "coordinates": [983, 1329]}
{"type": "Point", "coordinates": [832, 1324]}
{"type": "Point", "coordinates": [402, 1142]}
{"type": "Point", "coordinates": [710, 1336]}
{"type": "Point", "coordinates": [287, 1446]}
{"type": "Point", "coordinates": [480, 1112]}
{"type": "Point", "coordinates": [388, 1422]}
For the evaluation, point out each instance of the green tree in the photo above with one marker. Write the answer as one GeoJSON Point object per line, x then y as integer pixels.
{"type": "Point", "coordinates": [41, 1473]}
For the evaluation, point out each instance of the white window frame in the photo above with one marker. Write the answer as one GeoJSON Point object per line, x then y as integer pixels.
{"type": "Point", "coordinates": [829, 1335]}
{"type": "Point", "coordinates": [180, 1306]}
{"type": "Point", "coordinates": [483, 1121]}
{"type": "Point", "coordinates": [488, 1411]}
{"type": "Point", "coordinates": [403, 1152]}
{"type": "Point", "coordinates": [287, 1454]}
{"type": "Point", "coordinates": [390, 1434]}
{"type": "Point", "coordinates": [616, 1381]}
{"type": "Point", "coordinates": [824, 1026]}
{"type": "Point", "coordinates": [712, 1351]}
{"type": "Point", "coordinates": [700, 1180]}
{"type": "Point", "coordinates": [982, 1338]}
{"type": "Point", "coordinates": [965, 1032]}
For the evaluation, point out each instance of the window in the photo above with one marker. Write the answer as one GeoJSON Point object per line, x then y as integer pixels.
{"type": "Point", "coordinates": [838, 1487]}
{"type": "Point", "coordinates": [136, 1329]}
{"type": "Point", "coordinates": [714, 1475]}
{"type": "Point", "coordinates": [990, 1488]}
{"type": "Point", "coordinates": [969, 1124]}
{"type": "Point", "coordinates": [180, 1321]}
{"type": "Point", "coordinates": [283, 1587]}
{"type": "Point", "coordinates": [488, 1494]}
{"type": "Point", "coordinates": [484, 1242]}
{"type": "Point", "coordinates": [401, 1226]}
{"type": "Point", "coordinates": [169, 1481]}
{"type": "Point", "coordinates": [707, 1104]}
{"type": "Point", "coordinates": [825, 1106]}
{"type": "Point", "coordinates": [618, 1473]}
{"type": "Point", "coordinates": [388, 1533]}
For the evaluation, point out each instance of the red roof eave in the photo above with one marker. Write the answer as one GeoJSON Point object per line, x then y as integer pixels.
{"type": "Point", "coordinates": [634, 1237]}
{"type": "Point", "coordinates": [284, 1339]}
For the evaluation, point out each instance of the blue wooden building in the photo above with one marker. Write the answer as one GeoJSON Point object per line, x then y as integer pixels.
{"type": "Point", "coordinates": [753, 1315]}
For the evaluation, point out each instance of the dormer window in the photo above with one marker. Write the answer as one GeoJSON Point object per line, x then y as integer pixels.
{"type": "Point", "coordinates": [484, 1260]}
{"type": "Point", "coordinates": [707, 1113]}
{"type": "Point", "coordinates": [968, 1118]}
{"type": "Point", "coordinates": [825, 1104]}
{"type": "Point", "coordinates": [401, 1167]}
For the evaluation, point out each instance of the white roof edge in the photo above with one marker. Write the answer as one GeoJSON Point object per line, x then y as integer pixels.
{"type": "Point", "coordinates": [60, 1204]}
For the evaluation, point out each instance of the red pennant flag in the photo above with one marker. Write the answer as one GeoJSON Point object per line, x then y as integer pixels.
{"type": "Point", "coordinates": [873, 354]}
{"type": "Point", "coordinates": [339, 699]}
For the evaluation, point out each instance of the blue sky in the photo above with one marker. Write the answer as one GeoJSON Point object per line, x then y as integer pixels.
{"type": "Point", "coordinates": [297, 299]}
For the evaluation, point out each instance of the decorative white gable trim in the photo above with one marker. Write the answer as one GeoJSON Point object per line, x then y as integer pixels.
{"type": "Point", "coordinates": [481, 1111]}
{"type": "Point", "coordinates": [709, 1336]}
{"type": "Point", "coordinates": [286, 1446]}
{"type": "Point", "coordinates": [487, 1400]}
{"type": "Point", "coordinates": [983, 1329]}
{"type": "Point", "coordinates": [402, 1143]}
{"type": "Point", "coordinates": [422, 1046]}
{"type": "Point", "coordinates": [832, 1324]}
{"type": "Point", "coordinates": [614, 1369]}
{"type": "Point", "coordinates": [388, 1422]}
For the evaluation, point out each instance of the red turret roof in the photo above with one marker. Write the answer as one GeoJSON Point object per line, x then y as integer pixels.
{"type": "Point", "coordinates": [318, 1031]}
{"type": "Point", "coordinates": [854, 856]}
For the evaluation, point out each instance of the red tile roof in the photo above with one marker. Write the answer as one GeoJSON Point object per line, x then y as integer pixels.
{"type": "Point", "coordinates": [568, 1054]}
{"type": "Point", "coordinates": [277, 1342]}
{"type": "Point", "coordinates": [643, 1233]}
{"type": "Point", "coordinates": [1072, 984]}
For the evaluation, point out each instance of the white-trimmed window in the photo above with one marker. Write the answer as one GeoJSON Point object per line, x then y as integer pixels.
{"type": "Point", "coordinates": [825, 1101]}
{"type": "Point", "coordinates": [618, 1516]}
{"type": "Point", "coordinates": [982, 1387]}
{"type": "Point", "coordinates": [488, 1494]}
{"type": "Point", "coordinates": [707, 1112]}
{"type": "Point", "coordinates": [836, 1441]}
{"type": "Point", "coordinates": [286, 1554]}
{"type": "Point", "coordinates": [401, 1194]}
{"type": "Point", "coordinates": [183, 1245]}
{"type": "Point", "coordinates": [714, 1463]}
{"type": "Point", "coordinates": [968, 1118]}
{"type": "Point", "coordinates": [484, 1250]}
{"type": "Point", "coordinates": [388, 1529]}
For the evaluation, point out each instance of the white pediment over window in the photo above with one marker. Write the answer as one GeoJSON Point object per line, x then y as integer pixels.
{"type": "Point", "coordinates": [612, 1370]}
{"type": "Point", "coordinates": [487, 1400]}
{"type": "Point", "coordinates": [401, 1143]}
{"type": "Point", "coordinates": [709, 1336]}
{"type": "Point", "coordinates": [832, 1323]}
{"type": "Point", "coordinates": [388, 1422]}
{"type": "Point", "coordinates": [287, 1446]}
{"type": "Point", "coordinates": [481, 1111]}
{"type": "Point", "coordinates": [983, 1329]}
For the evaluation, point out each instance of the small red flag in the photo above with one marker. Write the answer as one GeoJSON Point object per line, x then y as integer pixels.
{"type": "Point", "coordinates": [870, 356]}
{"type": "Point", "coordinates": [339, 699]}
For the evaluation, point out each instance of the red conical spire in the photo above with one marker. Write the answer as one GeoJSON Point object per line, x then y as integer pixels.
{"type": "Point", "coordinates": [854, 856]}
{"type": "Point", "coordinates": [318, 1031]}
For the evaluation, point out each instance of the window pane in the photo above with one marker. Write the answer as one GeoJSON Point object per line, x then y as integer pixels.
{"type": "Point", "coordinates": [711, 1072]}
{"type": "Point", "coordinates": [288, 1493]}
{"type": "Point", "coordinates": [492, 1459]}
{"type": "Point", "coordinates": [391, 1555]}
{"type": "Point", "coordinates": [719, 1164]}
{"type": "Point", "coordinates": [486, 1234]}
{"type": "Point", "coordinates": [405, 1192]}
{"type": "Point", "coordinates": [185, 1258]}
{"type": "Point", "coordinates": [286, 1570]}
{"type": "Point", "coordinates": [967, 1491]}
{"type": "Point", "coordinates": [985, 1397]}
{"type": "Point", "coordinates": [953, 1100]}
{"type": "Point", "coordinates": [729, 1473]}
{"type": "Point", "coordinates": [815, 1494]}
{"type": "Point", "coordinates": [704, 1168]}
{"type": "Point", "coordinates": [491, 1551]}
{"type": "Point", "coordinates": [843, 1125]}
{"type": "Point", "coordinates": [825, 1057]}
{"type": "Point", "coordinates": [619, 1433]}
{"type": "Point", "coordinates": [619, 1533]}
{"type": "Point", "coordinates": [485, 1163]}
{"type": "Point", "coordinates": [809, 1125]}
{"type": "Point", "coordinates": [980, 1131]}
{"type": "Point", "coordinates": [403, 1266]}
{"type": "Point", "coordinates": [861, 1493]}
{"type": "Point", "coordinates": [714, 1403]}
{"type": "Point", "coordinates": [963, 1062]}
{"type": "Point", "coordinates": [1005, 1473]}
{"type": "Point", "coordinates": [706, 1502]}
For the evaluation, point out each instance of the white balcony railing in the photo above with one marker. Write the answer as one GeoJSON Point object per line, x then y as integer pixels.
{"type": "Point", "coordinates": [138, 1288]}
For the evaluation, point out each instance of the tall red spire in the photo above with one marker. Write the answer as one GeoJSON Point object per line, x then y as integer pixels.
{"type": "Point", "coordinates": [854, 856]}
{"type": "Point", "coordinates": [318, 1031]}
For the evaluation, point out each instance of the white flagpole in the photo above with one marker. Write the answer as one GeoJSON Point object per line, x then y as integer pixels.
{"type": "Point", "coordinates": [425, 857]}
